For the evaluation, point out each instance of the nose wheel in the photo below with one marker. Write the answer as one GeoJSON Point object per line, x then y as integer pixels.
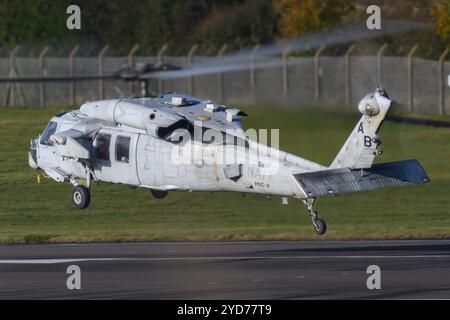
{"type": "Point", "coordinates": [320, 227]}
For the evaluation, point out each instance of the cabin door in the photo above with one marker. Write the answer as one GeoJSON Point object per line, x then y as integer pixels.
{"type": "Point", "coordinates": [115, 157]}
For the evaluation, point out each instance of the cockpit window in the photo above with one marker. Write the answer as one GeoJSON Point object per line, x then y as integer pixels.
{"type": "Point", "coordinates": [51, 129]}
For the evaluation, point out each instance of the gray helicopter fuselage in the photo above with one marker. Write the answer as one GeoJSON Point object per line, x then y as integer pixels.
{"type": "Point", "coordinates": [131, 156]}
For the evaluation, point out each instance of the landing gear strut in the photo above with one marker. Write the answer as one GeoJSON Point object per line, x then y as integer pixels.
{"type": "Point", "coordinates": [320, 227]}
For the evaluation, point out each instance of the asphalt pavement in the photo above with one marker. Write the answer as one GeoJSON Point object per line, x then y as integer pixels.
{"type": "Point", "coordinates": [410, 269]}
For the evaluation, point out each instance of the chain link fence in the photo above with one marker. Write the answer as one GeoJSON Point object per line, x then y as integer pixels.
{"type": "Point", "coordinates": [416, 84]}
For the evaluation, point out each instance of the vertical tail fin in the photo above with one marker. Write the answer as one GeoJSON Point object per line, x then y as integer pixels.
{"type": "Point", "coordinates": [360, 149]}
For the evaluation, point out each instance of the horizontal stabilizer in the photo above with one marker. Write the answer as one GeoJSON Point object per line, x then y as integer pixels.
{"type": "Point", "coordinates": [345, 180]}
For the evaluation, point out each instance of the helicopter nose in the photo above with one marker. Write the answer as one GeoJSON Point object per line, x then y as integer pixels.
{"type": "Point", "coordinates": [32, 154]}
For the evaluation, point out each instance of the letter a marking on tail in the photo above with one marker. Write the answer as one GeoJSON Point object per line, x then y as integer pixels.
{"type": "Point", "coordinates": [361, 128]}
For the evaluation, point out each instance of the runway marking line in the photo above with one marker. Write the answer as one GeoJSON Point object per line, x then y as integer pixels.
{"type": "Point", "coordinates": [225, 258]}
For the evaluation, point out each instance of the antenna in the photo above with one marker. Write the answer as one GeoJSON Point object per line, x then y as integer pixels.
{"type": "Point", "coordinates": [119, 92]}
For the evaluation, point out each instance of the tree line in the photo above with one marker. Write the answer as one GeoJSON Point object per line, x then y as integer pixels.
{"type": "Point", "coordinates": [182, 23]}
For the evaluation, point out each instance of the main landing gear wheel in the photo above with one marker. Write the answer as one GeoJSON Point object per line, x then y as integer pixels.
{"type": "Point", "coordinates": [158, 194]}
{"type": "Point", "coordinates": [81, 197]}
{"type": "Point", "coordinates": [320, 227]}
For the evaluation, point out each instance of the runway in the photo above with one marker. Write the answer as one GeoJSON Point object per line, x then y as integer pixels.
{"type": "Point", "coordinates": [228, 270]}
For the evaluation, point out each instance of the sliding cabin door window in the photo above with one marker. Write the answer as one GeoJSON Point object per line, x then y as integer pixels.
{"type": "Point", "coordinates": [123, 149]}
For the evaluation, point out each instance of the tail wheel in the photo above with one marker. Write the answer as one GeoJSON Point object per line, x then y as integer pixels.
{"type": "Point", "coordinates": [158, 194]}
{"type": "Point", "coordinates": [320, 227]}
{"type": "Point", "coordinates": [81, 197]}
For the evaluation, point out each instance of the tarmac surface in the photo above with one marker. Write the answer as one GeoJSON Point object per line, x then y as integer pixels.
{"type": "Point", "coordinates": [416, 269]}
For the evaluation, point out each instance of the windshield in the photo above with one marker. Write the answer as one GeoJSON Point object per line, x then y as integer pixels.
{"type": "Point", "coordinates": [51, 129]}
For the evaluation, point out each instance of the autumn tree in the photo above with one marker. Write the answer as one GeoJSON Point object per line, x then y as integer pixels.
{"type": "Point", "coordinates": [298, 17]}
{"type": "Point", "coordinates": [441, 14]}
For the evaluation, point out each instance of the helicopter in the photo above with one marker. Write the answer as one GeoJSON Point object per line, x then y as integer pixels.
{"type": "Point", "coordinates": [176, 142]}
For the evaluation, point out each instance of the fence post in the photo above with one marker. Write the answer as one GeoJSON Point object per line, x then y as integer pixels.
{"type": "Point", "coordinates": [11, 87]}
{"type": "Point", "coordinates": [380, 62]}
{"type": "Point", "coordinates": [190, 78]}
{"type": "Point", "coordinates": [12, 63]}
{"type": "Point", "coordinates": [411, 78]}
{"type": "Point", "coordinates": [317, 72]}
{"type": "Point", "coordinates": [72, 73]}
{"type": "Point", "coordinates": [286, 53]}
{"type": "Point", "coordinates": [252, 71]}
{"type": "Point", "coordinates": [160, 59]}
{"type": "Point", "coordinates": [131, 55]}
{"type": "Point", "coordinates": [43, 73]}
{"type": "Point", "coordinates": [131, 64]}
{"type": "Point", "coordinates": [220, 74]}
{"type": "Point", "coordinates": [441, 82]}
{"type": "Point", "coordinates": [348, 79]}
{"type": "Point", "coordinates": [161, 53]}
{"type": "Point", "coordinates": [101, 85]}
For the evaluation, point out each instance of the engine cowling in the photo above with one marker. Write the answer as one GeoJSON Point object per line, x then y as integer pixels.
{"type": "Point", "coordinates": [130, 114]}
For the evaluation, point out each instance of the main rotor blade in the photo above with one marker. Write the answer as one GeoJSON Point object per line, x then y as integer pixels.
{"type": "Point", "coordinates": [247, 59]}
{"type": "Point", "coordinates": [213, 69]}
{"type": "Point", "coordinates": [58, 78]}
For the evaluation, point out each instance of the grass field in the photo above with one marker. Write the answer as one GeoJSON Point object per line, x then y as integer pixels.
{"type": "Point", "coordinates": [31, 212]}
